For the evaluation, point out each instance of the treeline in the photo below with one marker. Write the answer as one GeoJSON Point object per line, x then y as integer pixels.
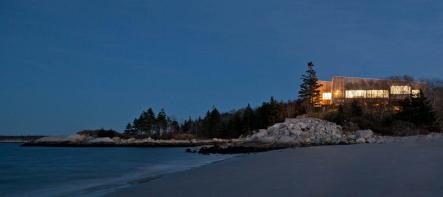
{"type": "Point", "coordinates": [149, 124]}
{"type": "Point", "coordinates": [215, 124]}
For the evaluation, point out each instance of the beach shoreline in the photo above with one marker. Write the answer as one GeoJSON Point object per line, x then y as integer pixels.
{"type": "Point", "coordinates": [408, 167]}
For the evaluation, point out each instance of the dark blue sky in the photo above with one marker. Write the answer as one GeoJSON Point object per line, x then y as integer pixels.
{"type": "Point", "coordinates": [70, 65]}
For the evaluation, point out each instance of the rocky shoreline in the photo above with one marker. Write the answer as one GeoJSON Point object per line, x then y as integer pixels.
{"type": "Point", "coordinates": [302, 132]}
{"type": "Point", "coordinates": [85, 141]}
{"type": "Point", "coordinates": [297, 132]}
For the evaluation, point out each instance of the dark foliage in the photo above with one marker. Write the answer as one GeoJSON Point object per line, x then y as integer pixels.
{"type": "Point", "coordinates": [415, 117]}
{"type": "Point", "coordinates": [214, 124]}
{"type": "Point", "coordinates": [100, 133]}
{"type": "Point", "coordinates": [435, 96]}
{"type": "Point", "coordinates": [418, 110]}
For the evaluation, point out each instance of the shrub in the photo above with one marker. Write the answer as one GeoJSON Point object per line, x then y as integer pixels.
{"type": "Point", "coordinates": [418, 110]}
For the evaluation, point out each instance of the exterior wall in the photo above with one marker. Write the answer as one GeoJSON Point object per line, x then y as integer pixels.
{"type": "Point", "coordinates": [366, 90]}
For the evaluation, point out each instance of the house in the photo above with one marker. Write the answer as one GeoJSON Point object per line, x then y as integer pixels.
{"type": "Point", "coordinates": [341, 90]}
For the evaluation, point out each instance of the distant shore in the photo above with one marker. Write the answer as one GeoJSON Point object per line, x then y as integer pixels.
{"type": "Point", "coordinates": [408, 167]}
{"type": "Point", "coordinates": [18, 139]}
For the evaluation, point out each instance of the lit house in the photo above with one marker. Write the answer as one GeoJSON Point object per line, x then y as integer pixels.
{"type": "Point", "coordinates": [370, 91]}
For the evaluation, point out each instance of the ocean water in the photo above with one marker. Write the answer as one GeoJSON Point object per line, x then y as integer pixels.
{"type": "Point", "coordinates": [45, 171]}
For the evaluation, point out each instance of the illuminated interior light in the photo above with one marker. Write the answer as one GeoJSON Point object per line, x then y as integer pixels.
{"type": "Point", "coordinates": [400, 89]}
{"type": "Point", "coordinates": [355, 94]}
{"type": "Point", "coordinates": [415, 93]}
{"type": "Point", "coordinates": [327, 96]}
{"type": "Point", "coordinates": [377, 93]}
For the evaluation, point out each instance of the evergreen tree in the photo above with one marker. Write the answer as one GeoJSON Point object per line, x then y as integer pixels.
{"type": "Point", "coordinates": [161, 122]}
{"type": "Point", "coordinates": [212, 124]}
{"type": "Point", "coordinates": [309, 91]}
{"type": "Point", "coordinates": [276, 113]}
{"type": "Point", "coordinates": [269, 113]}
{"type": "Point", "coordinates": [128, 126]}
{"type": "Point", "coordinates": [418, 110]}
{"type": "Point", "coordinates": [187, 125]}
{"type": "Point", "coordinates": [248, 120]}
{"type": "Point", "coordinates": [175, 126]}
{"type": "Point", "coordinates": [147, 122]}
{"type": "Point", "coordinates": [129, 129]}
{"type": "Point", "coordinates": [136, 123]}
{"type": "Point", "coordinates": [235, 125]}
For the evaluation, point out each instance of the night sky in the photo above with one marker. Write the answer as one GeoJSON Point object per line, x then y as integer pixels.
{"type": "Point", "coordinates": [71, 65]}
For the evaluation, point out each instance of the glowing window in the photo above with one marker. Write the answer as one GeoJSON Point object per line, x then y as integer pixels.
{"type": "Point", "coordinates": [415, 93]}
{"type": "Point", "coordinates": [400, 89]}
{"type": "Point", "coordinates": [327, 96]}
{"type": "Point", "coordinates": [377, 94]}
{"type": "Point", "coordinates": [355, 94]}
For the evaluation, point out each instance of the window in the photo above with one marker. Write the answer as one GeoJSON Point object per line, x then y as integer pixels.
{"type": "Point", "coordinates": [355, 94]}
{"type": "Point", "coordinates": [367, 94]}
{"type": "Point", "coordinates": [400, 89]}
{"type": "Point", "coordinates": [377, 94]}
{"type": "Point", "coordinates": [415, 93]}
{"type": "Point", "coordinates": [327, 96]}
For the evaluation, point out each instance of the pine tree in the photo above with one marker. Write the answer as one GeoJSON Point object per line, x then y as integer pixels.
{"type": "Point", "coordinates": [234, 125]}
{"type": "Point", "coordinates": [309, 91]}
{"type": "Point", "coordinates": [175, 126]}
{"type": "Point", "coordinates": [187, 125]}
{"type": "Point", "coordinates": [161, 122]}
{"type": "Point", "coordinates": [211, 124]}
{"type": "Point", "coordinates": [248, 120]}
{"type": "Point", "coordinates": [147, 121]}
{"type": "Point", "coordinates": [129, 129]}
{"type": "Point", "coordinates": [269, 113]}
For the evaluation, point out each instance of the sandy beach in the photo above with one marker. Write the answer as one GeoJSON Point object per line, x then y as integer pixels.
{"type": "Point", "coordinates": [410, 167]}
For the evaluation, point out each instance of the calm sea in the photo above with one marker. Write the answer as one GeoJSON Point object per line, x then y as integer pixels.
{"type": "Point", "coordinates": [41, 171]}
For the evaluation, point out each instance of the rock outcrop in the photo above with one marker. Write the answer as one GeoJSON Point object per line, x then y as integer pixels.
{"type": "Point", "coordinates": [300, 131]}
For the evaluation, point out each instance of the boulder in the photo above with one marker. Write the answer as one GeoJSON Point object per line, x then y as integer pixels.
{"type": "Point", "coordinates": [372, 140]}
{"type": "Point", "coordinates": [76, 138]}
{"type": "Point", "coordinates": [366, 134]}
{"type": "Point", "coordinates": [360, 141]}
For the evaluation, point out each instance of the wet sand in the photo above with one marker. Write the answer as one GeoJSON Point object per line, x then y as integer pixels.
{"type": "Point", "coordinates": [410, 167]}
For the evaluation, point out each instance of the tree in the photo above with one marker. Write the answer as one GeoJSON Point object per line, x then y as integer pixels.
{"type": "Point", "coordinates": [187, 125]}
{"type": "Point", "coordinates": [309, 92]}
{"type": "Point", "coordinates": [146, 122]}
{"type": "Point", "coordinates": [418, 110]}
{"type": "Point", "coordinates": [234, 125]}
{"type": "Point", "coordinates": [212, 124]}
{"type": "Point", "coordinates": [248, 120]}
{"type": "Point", "coordinates": [130, 129]}
{"type": "Point", "coordinates": [161, 122]}
{"type": "Point", "coordinates": [269, 113]}
{"type": "Point", "coordinates": [175, 126]}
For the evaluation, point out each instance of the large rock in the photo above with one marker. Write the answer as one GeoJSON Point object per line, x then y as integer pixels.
{"type": "Point", "coordinates": [101, 140]}
{"type": "Point", "coordinates": [366, 134]}
{"type": "Point", "coordinates": [300, 131]}
{"type": "Point", "coordinates": [77, 138]}
{"type": "Point", "coordinates": [360, 140]}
